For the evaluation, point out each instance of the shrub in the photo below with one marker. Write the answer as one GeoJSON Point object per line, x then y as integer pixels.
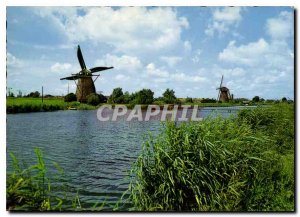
{"type": "Point", "coordinates": [189, 100]}
{"type": "Point", "coordinates": [93, 99]}
{"type": "Point", "coordinates": [70, 97]}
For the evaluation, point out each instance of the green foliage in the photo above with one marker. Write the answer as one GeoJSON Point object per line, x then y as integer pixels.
{"type": "Point", "coordinates": [35, 94]}
{"type": "Point", "coordinates": [218, 164]}
{"type": "Point", "coordinates": [169, 96]}
{"type": "Point", "coordinates": [93, 99]}
{"type": "Point", "coordinates": [255, 99]}
{"type": "Point", "coordinates": [144, 96]}
{"type": "Point", "coordinates": [117, 96]}
{"type": "Point", "coordinates": [208, 100]}
{"type": "Point", "coordinates": [189, 100]}
{"type": "Point", "coordinates": [284, 99]}
{"type": "Point", "coordinates": [30, 188]}
{"type": "Point", "coordinates": [71, 97]}
{"type": "Point", "coordinates": [21, 105]}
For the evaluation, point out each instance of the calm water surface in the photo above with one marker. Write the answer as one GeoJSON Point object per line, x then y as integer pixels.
{"type": "Point", "coordinates": [96, 156]}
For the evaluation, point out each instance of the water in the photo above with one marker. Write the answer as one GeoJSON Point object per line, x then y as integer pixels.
{"type": "Point", "coordinates": [96, 156]}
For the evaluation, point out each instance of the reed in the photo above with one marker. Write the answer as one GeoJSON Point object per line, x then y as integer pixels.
{"type": "Point", "coordinates": [243, 163]}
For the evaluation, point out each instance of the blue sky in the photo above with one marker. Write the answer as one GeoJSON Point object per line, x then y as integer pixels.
{"type": "Point", "coordinates": [187, 49]}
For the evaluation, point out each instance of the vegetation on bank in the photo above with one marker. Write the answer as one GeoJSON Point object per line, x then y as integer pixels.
{"type": "Point", "coordinates": [23, 105]}
{"type": "Point", "coordinates": [31, 189]}
{"type": "Point", "coordinates": [243, 163]}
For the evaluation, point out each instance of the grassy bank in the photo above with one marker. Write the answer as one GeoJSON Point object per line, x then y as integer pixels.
{"type": "Point", "coordinates": [236, 164]}
{"type": "Point", "coordinates": [23, 105]}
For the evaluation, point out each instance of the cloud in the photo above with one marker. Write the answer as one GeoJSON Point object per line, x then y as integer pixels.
{"type": "Point", "coordinates": [171, 60]}
{"type": "Point", "coordinates": [223, 19]}
{"type": "Point", "coordinates": [187, 46]}
{"type": "Point", "coordinates": [151, 71]}
{"type": "Point", "coordinates": [249, 54]}
{"type": "Point", "coordinates": [125, 28]}
{"type": "Point", "coordinates": [281, 27]}
{"type": "Point", "coordinates": [124, 62]}
{"type": "Point", "coordinates": [196, 57]}
{"type": "Point", "coordinates": [13, 61]}
{"type": "Point", "coordinates": [121, 77]}
{"type": "Point", "coordinates": [61, 67]}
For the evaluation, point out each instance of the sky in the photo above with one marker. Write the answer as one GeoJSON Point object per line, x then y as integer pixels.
{"type": "Point", "coordinates": [186, 49]}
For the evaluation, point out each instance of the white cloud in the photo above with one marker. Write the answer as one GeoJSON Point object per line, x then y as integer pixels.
{"type": "Point", "coordinates": [121, 77]}
{"type": "Point", "coordinates": [124, 62]}
{"type": "Point", "coordinates": [171, 60]}
{"type": "Point", "coordinates": [223, 20]}
{"type": "Point", "coordinates": [249, 54]}
{"type": "Point", "coordinates": [187, 46]}
{"type": "Point", "coordinates": [187, 78]}
{"type": "Point", "coordinates": [281, 27]}
{"type": "Point", "coordinates": [13, 61]}
{"type": "Point", "coordinates": [61, 67]}
{"type": "Point", "coordinates": [152, 71]}
{"type": "Point", "coordinates": [196, 57]}
{"type": "Point", "coordinates": [126, 28]}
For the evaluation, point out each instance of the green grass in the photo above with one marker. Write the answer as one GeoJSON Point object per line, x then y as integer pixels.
{"type": "Point", "coordinates": [31, 189]}
{"type": "Point", "coordinates": [23, 105]}
{"type": "Point", "coordinates": [236, 164]}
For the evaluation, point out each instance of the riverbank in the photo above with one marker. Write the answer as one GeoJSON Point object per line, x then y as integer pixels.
{"type": "Point", "coordinates": [24, 105]}
{"type": "Point", "coordinates": [241, 163]}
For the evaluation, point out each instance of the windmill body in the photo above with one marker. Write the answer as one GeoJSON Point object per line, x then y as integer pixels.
{"type": "Point", "coordinates": [85, 84]}
{"type": "Point", "coordinates": [224, 93]}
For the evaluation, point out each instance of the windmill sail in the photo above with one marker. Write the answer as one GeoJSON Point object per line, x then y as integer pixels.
{"type": "Point", "coordinates": [80, 58]}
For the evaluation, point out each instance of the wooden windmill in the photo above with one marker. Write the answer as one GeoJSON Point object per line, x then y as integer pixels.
{"type": "Point", "coordinates": [224, 93]}
{"type": "Point", "coordinates": [85, 84]}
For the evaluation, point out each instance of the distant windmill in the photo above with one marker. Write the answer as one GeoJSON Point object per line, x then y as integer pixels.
{"type": "Point", "coordinates": [224, 93]}
{"type": "Point", "coordinates": [85, 85]}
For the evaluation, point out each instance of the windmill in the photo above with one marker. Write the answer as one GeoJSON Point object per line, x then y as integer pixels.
{"type": "Point", "coordinates": [85, 84]}
{"type": "Point", "coordinates": [224, 93]}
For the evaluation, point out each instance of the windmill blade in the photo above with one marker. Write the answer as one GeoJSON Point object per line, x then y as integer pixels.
{"type": "Point", "coordinates": [221, 82]}
{"type": "Point", "coordinates": [74, 77]}
{"type": "Point", "coordinates": [218, 99]}
{"type": "Point", "coordinates": [80, 58]}
{"type": "Point", "coordinates": [100, 68]}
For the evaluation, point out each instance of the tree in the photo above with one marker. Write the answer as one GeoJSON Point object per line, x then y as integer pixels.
{"type": "Point", "coordinates": [19, 93]}
{"type": "Point", "coordinates": [117, 96]}
{"type": "Point", "coordinates": [144, 96]}
{"type": "Point", "coordinates": [102, 98]}
{"type": "Point", "coordinates": [208, 100]}
{"type": "Point", "coordinates": [283, 99]}
{"type": "Point", "coordinates": [93, 99]}
{"type": "Point", "coordinates": [35, 94]}
{"type": "Point", "coordinates": [127, 97]}
{"type": "Point", "coordinates": [169, 96]}
{"type": "Point", "coordinates": [189, 100]}
{"type": "Point", "coordinates": [70, 97]}
{"type": "Point", "coordinates": [255, 99]}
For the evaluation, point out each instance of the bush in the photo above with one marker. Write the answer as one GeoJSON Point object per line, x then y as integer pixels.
{"type": "Point", "coordinates": [93, 99]}
{"type": "Point", "coordinates": [189, 100]}
{"type": "Point", "coordinates": [216, 165]}
{"type": "Point", "coordinates": [71, 97]}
